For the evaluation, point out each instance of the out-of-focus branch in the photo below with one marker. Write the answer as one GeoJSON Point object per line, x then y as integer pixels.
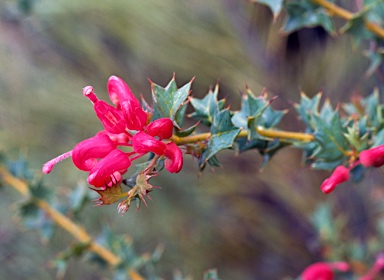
{"type": "Point", "coordinates": [68, 225]}
{"type": "Point", "coordinates": [340, 12]}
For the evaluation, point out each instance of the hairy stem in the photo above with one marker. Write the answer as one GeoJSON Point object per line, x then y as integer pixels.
{"type": "Point", "coordinates": [340, 12]}
{"type": "Point", "coordinates": [65, 223]}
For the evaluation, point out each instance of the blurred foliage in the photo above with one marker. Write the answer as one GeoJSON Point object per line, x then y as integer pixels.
{"type": "Point", "coordinates": [241, 221]}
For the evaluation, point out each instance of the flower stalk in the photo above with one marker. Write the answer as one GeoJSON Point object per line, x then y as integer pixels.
{"type": "Point", "coordinates": [270, 133]}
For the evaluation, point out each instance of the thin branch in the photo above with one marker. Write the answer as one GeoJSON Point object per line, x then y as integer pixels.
{"type": "Point", "coordinates": [68, 225]}
{"type": "Point", "coordinates": [270, 133]}
{"type": "Point", "coordinates": [342, 13]}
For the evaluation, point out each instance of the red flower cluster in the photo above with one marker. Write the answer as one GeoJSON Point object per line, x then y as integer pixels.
{"type": "Point", "coordinates": [126, 124]}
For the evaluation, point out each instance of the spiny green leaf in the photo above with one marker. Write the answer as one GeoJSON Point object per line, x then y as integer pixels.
{"type": "Point", "coordinates": [206, 108]}
{"type": "Point", "coordinates": [169, 100]}
{"type": "Point", "coordinates": [180, 115]}
{"type": "Point", "coordinates": [186, 132]}
{"type": "Point", "coordinates": [223, 134]}
{"type": "Point", "coordinates": [354, 137]}
{"type": "Point", "coordinates": [251, 107]}
{"type": "Point", "coordinates": [356, 28]}
{"type": "Point", "coordinates": [305, 14]}
{"type": "Point", "coordinates": [333, 143]}
{"type": "Point", "coordinates": [274, 5]}
{"type": "Point", "coordinates": [306, 107]}
{"type": "Point", "coordinates": [256, 111]}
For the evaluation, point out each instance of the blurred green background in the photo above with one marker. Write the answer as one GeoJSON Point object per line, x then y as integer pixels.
{"type": "Point", "coordinates": [247, 223]}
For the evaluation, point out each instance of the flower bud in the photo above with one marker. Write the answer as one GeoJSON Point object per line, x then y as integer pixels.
{"type": "Point", "coordinates": [143, 143]}
{"type": "Point", "coordinates": [372, 157]}
{"type": "Point", "coordinates": [174, 158]}
{"type": "Point", "coordinates": [111, 118]}
{"type": "Point", "coordinates": [339, 175]}
{"type": "Point", "coordinates": [86, 153]}
{"type": "Point", "coordinates": [162, 128]}
{"type": "Point", "coordinates": [109, 169]}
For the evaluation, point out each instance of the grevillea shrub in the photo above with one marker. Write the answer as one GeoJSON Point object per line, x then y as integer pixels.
{"type": "Point", "coordinates": [141, 138]}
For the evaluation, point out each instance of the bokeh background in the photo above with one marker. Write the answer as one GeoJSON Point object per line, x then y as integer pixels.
{"type": "Point", "coordinates": [246, 222]}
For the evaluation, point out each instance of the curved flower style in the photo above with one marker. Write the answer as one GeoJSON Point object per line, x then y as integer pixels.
{"type": "Point", "coordinates": [109, 169]}
{"type": "Point", "coordinates": [339, 175]}
{"type": "Point", "coordinates": [323, 270]}
{"type": "Point", "coordinates": [372, 157]}
{"type": "Point", "coordinates": [174, 158]}
{"type": "Point", "coordinates": [86, 153]}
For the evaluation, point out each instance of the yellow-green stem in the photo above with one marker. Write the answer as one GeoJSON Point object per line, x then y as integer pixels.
{"type": "Point", "coordinates": [340, 12]}
{"type": "Point", "coordinates": [270, 133]}
{"type": "Point", "coordinates": [65, 223]}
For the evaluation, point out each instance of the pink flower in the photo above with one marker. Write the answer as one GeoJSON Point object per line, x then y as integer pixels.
{"type": "Point", "coordinates": [143, 143]}
{"type": "Point", "coordinates": [111, 118]}
{"type": "Point", "coordinates": [109, 169]}
{"type": "Point", "coordinates": [86, 153]}
{"type": "Point", "coordinates": [174, 158]}
{"type": "Point", "coordinates": [122, 96]}
{"type": "Point", "coordinates": [119, 91]}
{"type": "Point", "coordinates": [339, 175]}
{"type": "Point", "coordinates": [162, 128]}
{"type": "Point", "coordinates": [373, 156]}
{"type": "Point", "coordinates": [323, 271]}
{"type": "Point", "coordinates": [135, 117]}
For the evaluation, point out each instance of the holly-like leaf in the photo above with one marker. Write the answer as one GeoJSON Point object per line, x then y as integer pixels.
{"type": "Point", "coordinates": [206, 108]}
{"type": "Point", "coordinates": [169, 100]}
{"type": "Point", "coordinates": [186, 132]}
{"type": "Point", "coordinates": [333, 144]}
{"type": "Point", "coordinates": [274, 5]}
{"type": "Point", "coordinates": [302, 14]}
{"type": "Point", "coordinates": [256, 111]}
{"type": "Point", "coordinates": [306, 107]}
{"type": "Point", "coordinates": [110, 195]}
{"type": "Point", "coordinates": [354, 137]}
{"type": "Point", "coordinates": [223, 134]}
{"type": "Point", "coordinates": [356, 28]}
